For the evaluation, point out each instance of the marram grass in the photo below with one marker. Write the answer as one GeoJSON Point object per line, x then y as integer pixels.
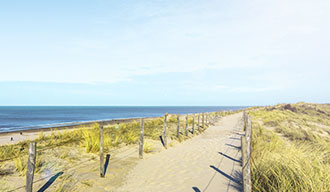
{"type": "Point", "coordinates": [87, 138]}
{"type": "Point", "coordinates": [287, 153]}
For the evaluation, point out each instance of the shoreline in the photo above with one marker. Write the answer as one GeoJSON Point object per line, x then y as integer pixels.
{"type": "Point", "coordinates": [5, 137]}
{"type": "Point", "coordinates": [70, 125]}
{"type": "Point", "coordinates": [14, 137]}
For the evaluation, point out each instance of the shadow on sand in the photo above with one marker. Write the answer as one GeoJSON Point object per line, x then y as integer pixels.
{"type": "Point", "coordinates": [238, 161]}
{"type": "Point", "coordinates": [233, 146]}
{"type": "Point", "coordinates": [50, 182]}
{"type": "Point", "coordinates": [161, 140]}
{"type": "Point", "coordinates": [226, 175]}
{"type": "Point", "coordinates": [106, 163]}
{"type": "Point", "coordinates": [196, 189]}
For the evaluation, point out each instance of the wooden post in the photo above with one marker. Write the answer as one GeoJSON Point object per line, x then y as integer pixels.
{"type": "Point", "coordinates": [246, 152]}
{"type": "Point", "coordinates": [101, 152]}
{"type": "Point", "coordinates": [165, 128]}
{"type": "Point", "coordinates": [178, 126]}
{"type": "Point", "coordinates": [141, 142]}
{"type": "Point", "coordinates": [243, 148]}
{"type": "Point", "coordinates": [198, 121]}
{"type": "Point", "coordinates": [193, 124]}
{"type": "Point", "coordinates": [203, 119]}
{"type": "Point", "coordinates": [186, 128]}
{"type": "Point", "coordinates": [30, 167]}
{"type": "Point", "coordinates": [206, 120]}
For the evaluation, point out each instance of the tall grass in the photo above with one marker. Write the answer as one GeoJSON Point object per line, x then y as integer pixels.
{"type": "Point", "coordinates": [87, 137]}
{"type": "Point", "coordinates": [287, 154]}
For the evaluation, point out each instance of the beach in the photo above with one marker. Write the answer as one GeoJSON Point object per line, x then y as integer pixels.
{"type": "Point", "coordinates": [207, 162]}
{"type": "Point", "coordinates": [33, 133]}
{"type": "Point", "coordinates": [190, 164]}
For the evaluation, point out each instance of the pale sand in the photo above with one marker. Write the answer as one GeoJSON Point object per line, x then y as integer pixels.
{"type": "Point", "coordinates": [179, 168]}
{"type": "Point", "coordinates": [196, 164]}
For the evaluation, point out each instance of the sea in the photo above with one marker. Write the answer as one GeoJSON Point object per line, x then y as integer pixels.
{"type": "Point", "coordinates": [14, 118]}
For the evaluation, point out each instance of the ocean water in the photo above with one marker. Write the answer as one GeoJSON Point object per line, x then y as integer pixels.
{"type": "Point", "coordinates": [15, 118]}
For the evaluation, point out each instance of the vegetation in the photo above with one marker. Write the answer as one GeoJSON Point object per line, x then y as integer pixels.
{"type": "Point", "coordinates": [88, 137]}
{"type": "Point", "coordinates": [147, 147]}
{"type": "Point", "coordinates": [60, 150]}
{"type": "Point", "coordinates": [291, 148]}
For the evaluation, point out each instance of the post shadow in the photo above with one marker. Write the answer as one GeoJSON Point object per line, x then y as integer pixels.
{"type": "Point", "coordinates": [234, 146]}
{"type": "Point", "coordinates": [234, 138]}
{"type": "Point", "coordinates": [238, 133]}
{"type": "Point", "coordinates": [161, 140]}
{"type": "Point", "coordinates": [238, 161]}
{"type": "Point", "coordinates": [196, 189]}
{"type": "Point", "coordinates": [50, 182]}
{"type": "Point", "coordinates": [106, 163]}
{"type": "Point", "coordinates": [226, 175]}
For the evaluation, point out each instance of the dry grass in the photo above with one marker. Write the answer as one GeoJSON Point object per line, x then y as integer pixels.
{"type": "Point", "coordinates": [291, 148]}
{"type": "Point", "coordinates": [62, 149]}
{"type": "Point", "coordinates": [148, 147]}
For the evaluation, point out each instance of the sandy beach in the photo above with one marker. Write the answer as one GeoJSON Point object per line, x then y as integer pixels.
{"type": "Point", "coordinates": [208, 162]}
{"type": "Point", "coordinates": [30, 134]}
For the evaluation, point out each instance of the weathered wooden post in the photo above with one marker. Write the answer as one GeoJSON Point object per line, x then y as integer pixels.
{"type": "Point", "coordinates": [206, 116]}
{"type": "Point", "coordinates": [165, 129]}
{"type": "Point", "coordinates": [193, 124]}
{"type": "Point", "coordinates": [30, 167]}
{"type": "Point", "coordinates": [203, 119]}
{"type": "Point", "coordinates": [198, 121]}
{"type": "Point", "coordinates": [246, 152]}
{"type": "Point", "coordinates": [141, 142]}
{"type": "Point", "coordinates": [101, 152]}
{"type": "Point", "coordinates": [186, 128]}
{"type": "Point", "coordinates": [243, 148]}
{"type": "Point", "coordinates": [178, 126]}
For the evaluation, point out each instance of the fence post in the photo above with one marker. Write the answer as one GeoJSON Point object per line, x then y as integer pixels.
{"type": "Point", "coordinates": [165, 128]}
{"type": "Point", "coordinates": [178, 126]}
{"type": "Point", "coordinates": [186, 128]}
{"type": "Point", "coordinates": [30, 167]}
{"type": "Point", "coordinates": [203, 119]}
{"type": "Point", "coordinates": [193, 124]}
{"type": "Point", "coordinates": [246, 153]}
{"type": "Point", "coordinates": [206, 119]}
{"type": "Point", "coordinates": [198, 121]}
{"type": "Point", "coordinates": [141, 139]}
{"type": "Point", "coordinates": [101, 152]}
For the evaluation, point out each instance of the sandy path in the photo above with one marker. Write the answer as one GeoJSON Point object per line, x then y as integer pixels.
{"type": "Point", "coordinates": [208, 162]}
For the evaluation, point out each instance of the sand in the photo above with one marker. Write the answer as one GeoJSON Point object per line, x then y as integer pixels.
{"type": "Point", "coordinates": [208, 162]}
{"type": "Point", "coordinates": [31, 134]}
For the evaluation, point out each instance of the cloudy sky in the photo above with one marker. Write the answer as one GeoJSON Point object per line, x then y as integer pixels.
{"type": "Point", "coordinates": [157, 52]}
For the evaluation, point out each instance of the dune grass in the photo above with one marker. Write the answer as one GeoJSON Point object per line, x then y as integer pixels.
{"type": "Point", "coordinates": [59, 150]}
{"type": "Point", "coordinates": [87, 138]}
{"type": "Point", "coordinates": [291, 148]}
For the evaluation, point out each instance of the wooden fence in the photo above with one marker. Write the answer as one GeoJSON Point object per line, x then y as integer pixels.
{"type": "Point", "coordinates": [207, 119]}
{"type": "Point", "coordinates": [246, 153]}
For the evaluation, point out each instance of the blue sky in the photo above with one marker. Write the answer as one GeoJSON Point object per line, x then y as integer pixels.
{"type": "Point", "coordinates": [196, 52]}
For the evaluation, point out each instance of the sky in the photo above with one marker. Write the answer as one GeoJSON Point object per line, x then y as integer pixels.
{"type": "Point", "coordinates": [157, 52]}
